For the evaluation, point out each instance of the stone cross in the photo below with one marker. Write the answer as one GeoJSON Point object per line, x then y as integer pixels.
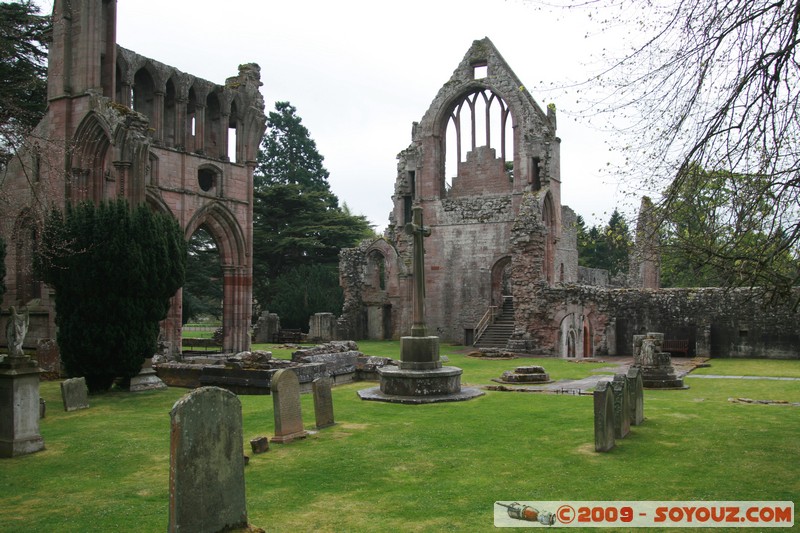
{"type": "Point", "coordinates": [418, 231]}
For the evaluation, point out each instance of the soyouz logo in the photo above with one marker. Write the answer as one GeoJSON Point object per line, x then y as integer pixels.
{"type": "Point", "coordinates": [644, 514]}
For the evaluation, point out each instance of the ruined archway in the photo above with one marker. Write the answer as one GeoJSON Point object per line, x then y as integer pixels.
{"type": "Point", "coordinates": [229, 238]}
{"type": "Point", "coordinates": [501, 280]}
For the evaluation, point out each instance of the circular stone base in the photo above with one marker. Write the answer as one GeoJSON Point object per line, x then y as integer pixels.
{"type": "Point", "coordinates": [374, 394]}
{"type": "Point", "coordinates": [400, 385]}
{"type": "Point", "coordinates": [432, 382]}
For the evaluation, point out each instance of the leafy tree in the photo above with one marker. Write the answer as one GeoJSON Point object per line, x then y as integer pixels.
{"type": "Point", "coordinates": [23, 72]}
{"type": "Point", "coordinates": [717, 85]}
{"type": "Point", "coordinates": [717, 225]}
{"type": "Point", "coordinates": [114, 270]}
{"type": "Point", "coordinates": [605, 247]}
{"type": "Point", "coordinates": [202, 291]}
{"type": "Point", "coordinates": [298, 225]}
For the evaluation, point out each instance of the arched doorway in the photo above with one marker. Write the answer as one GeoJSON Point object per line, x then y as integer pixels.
{"type": "Point", "coordinates": [221, 225]}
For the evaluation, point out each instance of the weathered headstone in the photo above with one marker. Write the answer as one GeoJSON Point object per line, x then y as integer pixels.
{"type": "Point", "coordinates": [285, 388]}
{"type": "Point", "coordinates": [622, 414]}
{"type": "Point", "coordinates": [635, 395]}
{"type": "Point", "coordinates": [74, 394]}
{"type": "Point", "coordinates": [323, 402]}
{"type": "Point", "coordinates": [206, 469]}
{"type": "Point", "coordinates": [603, 417]}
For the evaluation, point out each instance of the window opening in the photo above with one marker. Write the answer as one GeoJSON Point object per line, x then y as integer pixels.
{"type": "Point", "coordinates": [206, 178]}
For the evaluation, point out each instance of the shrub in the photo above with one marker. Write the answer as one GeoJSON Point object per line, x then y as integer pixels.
{"type": "Point", "coordinates": [114, 269]}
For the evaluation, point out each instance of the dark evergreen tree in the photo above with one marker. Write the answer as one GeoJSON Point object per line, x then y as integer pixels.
{"type": "Point", "coordinates": [23, 72]}
{"type": "Point", "coordinates": [298, 225]}
{"type": "Point", "coordinates": [289, 155]}
{"type": "Point", "coordinates": [114, 270]}
{"type": "Point", "coordinates": [606, 247]}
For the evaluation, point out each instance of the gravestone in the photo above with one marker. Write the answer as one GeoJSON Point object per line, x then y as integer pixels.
{"type": "Point", "coordinates": [635, 395]}
{"type": "Point", "coordinates": [74, 394]}
{"type": "Point", "coordinates": [622, 411]}
{"type": "Point", "coordinates": [323, 402]}
{"type": "Point", "coordinates": [603, 417]}
{"type": "Point", "coordinates": [206, 468]}
{"type": "Point", "coordinates": [285, 388]}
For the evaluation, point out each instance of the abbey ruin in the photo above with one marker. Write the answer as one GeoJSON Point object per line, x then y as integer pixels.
{"type": "Point", "coordinates": [120, 125]}
{"type": "Point", "coordinates": [484, 165]}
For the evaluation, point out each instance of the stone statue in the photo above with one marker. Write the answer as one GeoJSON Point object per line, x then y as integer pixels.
{"type": "Point", "coordinates": [418, 231]}
{"type": "Point", "coordinates": [16, 329]}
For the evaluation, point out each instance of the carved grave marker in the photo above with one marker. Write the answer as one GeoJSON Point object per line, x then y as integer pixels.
{"type": "Point", "coordinates": [206, 467]}
{"type": "Point", "coordinates": [323, 402]}
{"type": "Point", "coordinates": [622, 411]}
{"type": "Point", "coordinates": [285, 389]}
{"type": "Point", "coordinates": [603, 418]}
{"type": "Point", "coordinates": [74, 394]}
{"type": "Point", "coordinates": [635, 395]}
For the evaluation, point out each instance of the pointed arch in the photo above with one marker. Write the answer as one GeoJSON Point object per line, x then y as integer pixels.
{"type": "Point", "coordinates": [90, 162]}
{"type": "Point", "coordinates": [551, 235]}
{"type": "Point", "coordinates": [225, 230]}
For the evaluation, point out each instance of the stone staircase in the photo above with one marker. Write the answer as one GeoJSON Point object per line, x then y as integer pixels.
{"type": "Point", "coordinates": [497, 334]}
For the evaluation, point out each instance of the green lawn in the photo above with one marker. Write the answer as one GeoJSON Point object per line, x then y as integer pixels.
{"type": "Point", "coordinates": [438, 467]}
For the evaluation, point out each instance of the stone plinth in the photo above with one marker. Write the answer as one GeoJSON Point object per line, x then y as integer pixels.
{"type": "Point", "coordinates": [525, 374]}
{"type": "Point", "coordinates": [19, 407]}
{"type": "Point", "coordinates": [400, 382]}
{"type": "Point", "coordinates": [419, 353]}
{"type": "Point", "coordinates": [657, 369]}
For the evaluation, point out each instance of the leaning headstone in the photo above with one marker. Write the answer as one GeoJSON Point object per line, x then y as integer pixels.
{"type": "Point", "coordinates": [74, 394]}
{"type": "Point", "coordinates": [635, 395]}
{"type": "Point", "coordinates": [206, 467]}
{"type": "Point", "coordinates": [603, 417]}
{"type": "Point", "coordinates": [285, 388]}
{"type": "Point", "coordinates": [323, 402]}
{"type": "Point", "coordinates": [622, 411]}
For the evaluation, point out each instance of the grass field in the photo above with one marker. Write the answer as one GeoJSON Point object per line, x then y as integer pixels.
{"type": "Point", "coordinates": [437, 467]}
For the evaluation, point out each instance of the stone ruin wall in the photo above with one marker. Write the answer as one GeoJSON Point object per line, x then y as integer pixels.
{"type": "Point", "coordinates": [718, 322]}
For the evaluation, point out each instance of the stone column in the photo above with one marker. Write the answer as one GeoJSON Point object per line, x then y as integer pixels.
{"type": "Point", "coordinates": [19, 406]}
{"type": "Point", "coordinates": [199, 129]}
{"type": "Point", "coordinates": [158, 117]}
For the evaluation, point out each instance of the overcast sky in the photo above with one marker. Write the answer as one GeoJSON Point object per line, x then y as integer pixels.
{"type": "Point", "coordinates": [360, 72]}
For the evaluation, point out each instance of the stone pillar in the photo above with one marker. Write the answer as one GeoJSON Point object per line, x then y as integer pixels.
{"type": "Point", "coordinates": [19, 407]}
{"type": "Point", "coordinates": [180, 123]}
{"type": "Point", "coordinates": [158, 117]}
{"type": "Point", "coordinates": [236, 310]}
{"type": "Point", "coordinates": [199, 129]}
{"type": "Point", "coordinates": [321, 327]}
{"type": "Point", "coordinates": [223, 135]}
